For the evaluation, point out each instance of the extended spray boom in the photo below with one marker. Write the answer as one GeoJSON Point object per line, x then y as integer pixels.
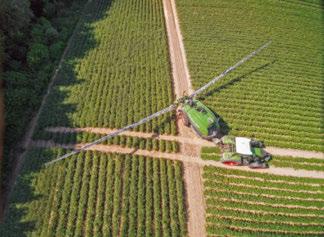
{"type": "Point", "coordinates": [165, 110]}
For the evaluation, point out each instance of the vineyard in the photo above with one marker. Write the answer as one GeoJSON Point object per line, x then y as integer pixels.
{"type": "Point", "coordinates": [150, 144]}
{"type": "Point", "coordinates": [312, 164]}
{"type": "Point", "coordinates": [277, 97]}
{"type": "Point", "coordinates": [241, 203]}
{"type": "Point", "coordinates": [97, 194]}
{"type": "Point", "coordinates": [116, 72]}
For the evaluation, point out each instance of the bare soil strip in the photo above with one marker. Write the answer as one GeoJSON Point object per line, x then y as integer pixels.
{"type": "Point", "coordinates": [190, 138]}
{"type": "Point", "coordinates": [263, 195]}
{"type": "Point", "coordinates": [267, 212]}
{"type": "Point", "coordinates": [272, 231]}
{"type": "Point", "coordinates": [268, 222]}
{"type": "Point", "coordinates": [268, 204]}
{"type": "Point", "coordinates": [181, 80]}
{"type": "Point", "coordinates": [294, 152]}
{"type": "Point", "coordinates": [186, 158]}
{"type": "Point", "coordinates": [247, 186]}
{"type": "Point", "coordinates": [182, 86]}
{"type": "Point", "coordinates": [269, 180]}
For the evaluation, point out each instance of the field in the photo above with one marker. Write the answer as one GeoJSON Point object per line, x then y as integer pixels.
{"type": "Point", "coordinates": [97, 194]}
{"type": "Point", "coordinates": [241, 203]}
{"type": "Point", "coordinates": [278, 96]}
{"type": "Point", "coordinates": [150, 144]}
{"type": "Point", "coordinates": [116, 72]}
{"type": "Point", "coordinates": [311, 164]}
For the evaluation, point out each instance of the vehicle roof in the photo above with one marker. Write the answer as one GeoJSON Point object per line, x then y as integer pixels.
{"type": "Point", "coordinates": [242, 145]}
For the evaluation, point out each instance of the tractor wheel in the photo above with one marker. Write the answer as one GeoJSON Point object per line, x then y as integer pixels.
{"type": "Point", "coordinates": [184, 118]}
{"type": "Point", "coordinates": [258, 165]}
{"type": "Point", "coordinates": [231, 163]}
{"type": "Point", "coordinates": [245, 161]}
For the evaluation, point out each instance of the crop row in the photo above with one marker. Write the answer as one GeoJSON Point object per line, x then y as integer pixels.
{"type": "Point", "coordinates": [97, 194]}
{"type": "Point", "coordinates": [239, 204]}
{"type": "Point", "coordinates": [116, 72]}
{"type": "Point", "coordinates": [298, 163]}
{"type": "Point", "coordinates": [210, 153]}
{"type": "Point", "coordinates": [275, 96]}
{"type": "Point", "coordinates": [150, 144]}
{"type": "Point", "coordinates": [250, 176]}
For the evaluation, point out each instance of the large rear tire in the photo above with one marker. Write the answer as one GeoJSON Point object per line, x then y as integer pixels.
{"type": "Point", "coordinates": [258, 165]}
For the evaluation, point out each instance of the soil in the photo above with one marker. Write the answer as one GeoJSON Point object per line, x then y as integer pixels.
{"type": "Point", "coordinates": [182, 86]}
{"type": "Point", "coordinates": [190, 139]}
{"type": "Point", "coordinates": [294, 152]}
{"type": "Point", "coordinates": [188, 159]}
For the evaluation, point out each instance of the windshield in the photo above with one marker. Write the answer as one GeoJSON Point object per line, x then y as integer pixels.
{"type": "Point", "coordinates": [212, 129]}
{"type": "Point", "coordinates": [202, 110]}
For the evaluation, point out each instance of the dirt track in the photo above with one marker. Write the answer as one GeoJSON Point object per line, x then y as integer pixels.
{"type": "Point", "coordinates": [189, 139]}
{"type": "Point", "coordinates": [191, 161]}
{"type": "Point", "coordinates": [182, 86]}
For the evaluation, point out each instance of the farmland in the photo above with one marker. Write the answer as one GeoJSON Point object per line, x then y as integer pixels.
{"type": "Point", "coordinates": [156, 180]}
{"type": "Point", "coordinates": [241, 203]}
{"type": "Point", "coordinates": [278, 96]}
{"type": "Point", "coordinates": [97, 194]}
{"type": "Point", "coordinates": [150, 144]}
{"type": "Point", "coordinates": [116, 72]}
{"type": "Point", "coordinates": [312, 164]}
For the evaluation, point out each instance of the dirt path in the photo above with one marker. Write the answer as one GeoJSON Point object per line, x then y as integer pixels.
{"type": "Point", "coordinates": [294, 152]}
{"type": "Point", "coordinates": [191, 162]}
{"type": "Point", "coordinates": [190, 139]}
{"type": "Point", "coordinates": [180, 72]}
{"type": "Point", "coordinates": [182, 86]}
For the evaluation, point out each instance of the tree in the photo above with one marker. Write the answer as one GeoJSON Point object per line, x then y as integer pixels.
{"type": "Point", "coordinates": [37, 55]}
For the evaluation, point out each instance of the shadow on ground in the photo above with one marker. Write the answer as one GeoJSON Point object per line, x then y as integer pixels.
{"type": "Point", "coordinates": [56, 110]}
{"type": "Point", "coordinates": [225, 128]}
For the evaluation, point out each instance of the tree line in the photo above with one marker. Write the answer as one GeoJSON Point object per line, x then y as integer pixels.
{"type": "Point", "coordinates": [33, 34]}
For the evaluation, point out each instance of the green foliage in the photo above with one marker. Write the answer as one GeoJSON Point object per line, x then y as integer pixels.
{"type": "Point", "coordinates": [244, 203]}
{"type": "Point", "coordinates": [298, 163]}
{"type": "Point", "coordinates": [95, 194]}
{"type": "Point", "coordinates": [112, 78]}
{"type": "Point", "coordinates": [124, 141]}
{"type": "Point", "coordinates": [56, 50]}
{"type": "Point", "coordinates": [277, 96]}
{"type": "Point", "coordinates": [37, 55]}
{"type": "Point", "coordinates": [210, 153]}
{"type": "Point", "coordinates": [43, 32]}
{"type": "Point", "coordinates": [32, 46]}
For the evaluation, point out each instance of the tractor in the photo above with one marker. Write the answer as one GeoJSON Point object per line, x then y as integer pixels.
{"type": "Point", "coordinates": [244, 151]}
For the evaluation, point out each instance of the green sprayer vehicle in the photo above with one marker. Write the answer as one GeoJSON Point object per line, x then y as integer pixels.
{"type": "Point", "coordinates": [244, 151]}
{"type": "Point", "coordinates": [193, 112]}
{"type": "Point", "coordinates": [203, 121]}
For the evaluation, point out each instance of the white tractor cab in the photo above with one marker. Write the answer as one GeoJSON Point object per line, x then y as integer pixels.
{"type": "Point", "coordinates": [244, 151]}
